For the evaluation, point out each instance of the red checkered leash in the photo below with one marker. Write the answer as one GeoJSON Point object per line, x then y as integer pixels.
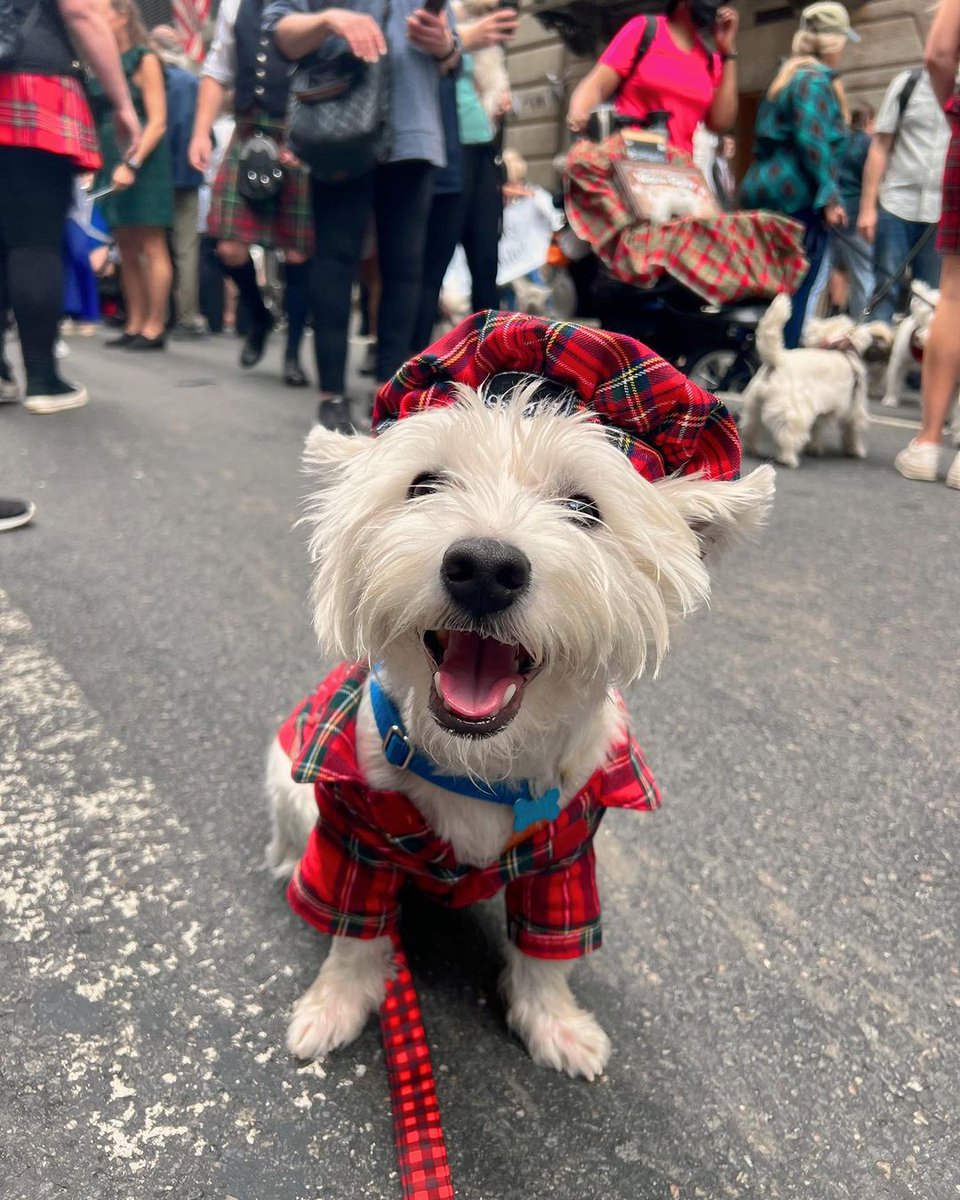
{"type": "Point", "coordinates": [421, 1150]}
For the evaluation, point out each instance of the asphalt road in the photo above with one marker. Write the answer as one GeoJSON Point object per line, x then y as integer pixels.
{"type": "Point", "coordinates": [781, 968]}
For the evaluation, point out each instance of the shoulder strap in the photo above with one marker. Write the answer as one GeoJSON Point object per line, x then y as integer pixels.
{"type": "Point", "coordinates": [646, 41]}
{"type": "Point", "coordinates": [909, 87]}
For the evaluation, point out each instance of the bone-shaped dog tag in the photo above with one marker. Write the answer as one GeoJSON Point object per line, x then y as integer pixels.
{"type": "Point", "coordinates": [529, 812]}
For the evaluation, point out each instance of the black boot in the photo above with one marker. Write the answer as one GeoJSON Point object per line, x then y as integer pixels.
{"type": "Point", "coordinates": [334, 414]}
{"type": "Point", "coordinates": [256, 342]}
{"type": "Point", "coordinates": [293, 374]}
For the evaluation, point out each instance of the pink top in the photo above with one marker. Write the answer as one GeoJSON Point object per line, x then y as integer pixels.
{"type": "Point", "coordinates": [681, 82]}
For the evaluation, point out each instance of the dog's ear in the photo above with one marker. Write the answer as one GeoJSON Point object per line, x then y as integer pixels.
{"type": "Point", "coordinates": [719, 511]}
{"type": "Point", "coordinates": [325, 450]}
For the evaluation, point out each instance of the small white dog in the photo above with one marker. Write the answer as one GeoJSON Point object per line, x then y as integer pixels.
{"type": "Point", "coordinates": [506, 566]}
{"type": "Point", "coordinates": [490, 76]}
{"type": "Point", "coordinates": [909, 341]}
{"type": "Point", "coordinates": [796, 392]}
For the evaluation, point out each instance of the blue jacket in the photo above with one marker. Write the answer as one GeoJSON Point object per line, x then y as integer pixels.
{"type": "Point", "coordinates": [181, 107]}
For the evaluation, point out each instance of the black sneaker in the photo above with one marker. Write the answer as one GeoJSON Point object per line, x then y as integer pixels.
{"type": "Point", "coordinates": [57, 398]}
{"type": "Point", "coordinates": [14, 513]}
{"type": "Point", "coordinates": [255, 343]}
{"type": "Point", "coordinates": [122, 342]}
{"type": "Point", "coordinates": [293, 374]}
{"type": "Point", "coordinates": [334, 414]}
{"type": "Point", "coordinates": [142, 342]}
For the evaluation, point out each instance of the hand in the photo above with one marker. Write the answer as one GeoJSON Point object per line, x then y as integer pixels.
{"type": "Point", "coordinates": [123, 177]}
{"type": "Point", "coordinates": [126, 125]}
{"type": "Point", "coordinates": [200, 152]}
{"type": "Point", "coordinates": [504, 105]}
{"type": "Point", "coordinates": [430, 34]}
{"type": "Point", "coordinates": [492, 29]}
{"type": "Point", "coordinates": [362, 34]}
{"type": "Point", "coordinates": [577, 119]}
{"type": "Point", "coordinates": [835, 215]}
{"type": "Point", "coordinates": [288, 159]}
{"type": "Point", "coordinates": [867, 222]}
{"type": "Point", "coordinates": [725, 30]}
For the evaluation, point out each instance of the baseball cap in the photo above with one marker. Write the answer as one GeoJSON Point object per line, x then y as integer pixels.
{"type": "Point", "coordinates": [828, 16]}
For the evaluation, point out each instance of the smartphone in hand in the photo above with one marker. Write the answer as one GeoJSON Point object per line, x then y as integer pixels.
{"type": "Point", "coordinates": [434, 6]}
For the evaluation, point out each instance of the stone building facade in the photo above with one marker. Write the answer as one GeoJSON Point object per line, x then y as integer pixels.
{"type": "Point", "coordinates": [543, 69]}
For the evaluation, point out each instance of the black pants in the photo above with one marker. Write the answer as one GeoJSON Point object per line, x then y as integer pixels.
{"type": "Point", "coordinates": [398, 195]}
{"type": "Point", "coordinates": [36, 188]}
{"type": "Point", "coordinates": [471, 219]}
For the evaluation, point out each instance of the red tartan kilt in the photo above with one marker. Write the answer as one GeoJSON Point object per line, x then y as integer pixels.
{"type": "Point", "coordinates": [50, 113]}
{"type": "Point", "coordinates": [286, 225]}
{"type": "Point", "coordinates": [948, 234]}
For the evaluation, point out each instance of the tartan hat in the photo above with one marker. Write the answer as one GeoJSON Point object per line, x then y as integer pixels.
{"type": "Point", "coordinates": [663, 423]}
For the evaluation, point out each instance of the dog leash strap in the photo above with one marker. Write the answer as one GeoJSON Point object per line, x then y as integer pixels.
{"type": "Point", "coordinates": [421, 1149]}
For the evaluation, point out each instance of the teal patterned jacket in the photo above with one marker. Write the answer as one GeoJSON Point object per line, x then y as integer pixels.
{"type": "Point", "coordinates": [801, 136]}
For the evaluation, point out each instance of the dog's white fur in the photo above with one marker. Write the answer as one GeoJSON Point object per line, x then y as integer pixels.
{"type": "Point", "coordinates": [912, 331]}
{"type": "Point", "coordinates": [839, 333]}
{"type": "Point", "coordinates": [599, 609]}
{"type": "Point", "coordinates": [796, 392]}
{"type": "Point", "coordinates": [490, 76]}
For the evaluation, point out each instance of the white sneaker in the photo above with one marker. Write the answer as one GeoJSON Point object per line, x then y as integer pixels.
{"type": "Point", "coordinates": [76, 397]}
{"type": "Point", "coordinates": [919, 460]}
{"type": "Point", "coordinates": [953, 475]}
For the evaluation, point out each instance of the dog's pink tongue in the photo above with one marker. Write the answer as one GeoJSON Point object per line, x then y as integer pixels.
{"type": "Point", "coordinates": [475, 674]}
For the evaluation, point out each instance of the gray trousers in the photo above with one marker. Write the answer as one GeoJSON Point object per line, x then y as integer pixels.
{"type": "Point", "coordinates": [186, 254]}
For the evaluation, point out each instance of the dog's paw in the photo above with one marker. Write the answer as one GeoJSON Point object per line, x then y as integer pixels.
{"type": "Point", "coordinates": [889, 401]}
{"type": "Point", "coordinates": [326, 1017]}
{"type": "Point", "coordinates": [788, 460]}
{"type": "Point", "coordinates": [572, 1042]}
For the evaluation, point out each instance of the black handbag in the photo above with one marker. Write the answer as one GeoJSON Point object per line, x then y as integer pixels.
{"type": "Point", "coordinates": [338, 115]}
{"type": "Point", "coordinates": [260, 175]}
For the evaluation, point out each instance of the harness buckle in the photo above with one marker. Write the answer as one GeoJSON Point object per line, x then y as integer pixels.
{"type": "Point", "coordinates": [397, 748]}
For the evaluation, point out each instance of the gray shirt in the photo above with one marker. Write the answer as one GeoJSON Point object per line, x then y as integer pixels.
{"type": "Point", "coordinates": [416, 131]}
{"type": "Point", "coordinates": [910, 188]}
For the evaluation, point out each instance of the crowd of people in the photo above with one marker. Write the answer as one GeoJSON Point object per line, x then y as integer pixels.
{"type": "Point", "coordinates": [190, 167]}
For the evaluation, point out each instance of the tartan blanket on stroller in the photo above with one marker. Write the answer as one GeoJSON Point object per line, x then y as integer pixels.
{"type": "Point", "coordinates": [722, 258]}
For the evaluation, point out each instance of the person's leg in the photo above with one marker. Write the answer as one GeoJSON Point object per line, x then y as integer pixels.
{"type": "Point", "coordinates": [443, 226]}
{"type": "Point", "coordinates": [35, 196]}
{"type": "Point", "coordinates": [158, 278]}
{"type": "Point", "coordinates": [855, 255]}
{"type": "Point", "coordinates": [133, 283]}
{"type": "Point", "coordinates": [926, 266]}
{"type": "Point", "coordinates": [340, 215]}
{"type": "Point", "coordinates": [296, 299]}
{"type": "Point", "coordinates": [891, 246]}
{"type": "Point", "coordinates": [403, 192]}
{"type": "Point", "coordinates": [814, 247]}
{"type": "Point", "coordinates": [819, 285]}
{"type": "Point", "coordinates": [238, 266]}
{"type": "Point", "coordinates": [481, 224]}
{"type": "Point", "coordinates": [941, 373]}
{"type": "Point", "coordinates": [186, 248]}
{"type": "Point", "coordinates": [211, 285]}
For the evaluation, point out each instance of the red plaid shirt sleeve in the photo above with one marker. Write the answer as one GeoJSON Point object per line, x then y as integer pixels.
{"type": "Point", "coordinates": [343, 888]}
{"type": "Point", "coordinates": [556, 913]}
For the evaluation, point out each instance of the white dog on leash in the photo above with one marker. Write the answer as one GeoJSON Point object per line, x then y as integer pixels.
{"type": "Point", "coordinates": [506, 567]}
{"type": "Point", "coordinates": [796, 392]}
{"type": "Point", "coordinates": [909, 340]}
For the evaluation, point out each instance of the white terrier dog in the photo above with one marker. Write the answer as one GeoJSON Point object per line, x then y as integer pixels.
{"type": "Point", "coordinates": [796, 392]}
{"type": "Point", "coordinates": [909, 341]}
{"type": "Point", "coordinates": [505, 566]}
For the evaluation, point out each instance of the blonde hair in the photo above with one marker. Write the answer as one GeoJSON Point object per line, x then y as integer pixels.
{"type": "Point", "coordinates": [136, 30]}
{"type": "Point", "coordinates": [809, 48]}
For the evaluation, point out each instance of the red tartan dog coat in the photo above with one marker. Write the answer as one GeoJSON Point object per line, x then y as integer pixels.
{"type": "Point", "coordinates": [366, 843]}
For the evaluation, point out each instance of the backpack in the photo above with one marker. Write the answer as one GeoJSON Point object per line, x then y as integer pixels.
{"type": "Point", "coordinates": [909, 87]}
{"type": "Point", "coordinates": [14, 27]}
{"type": "Point", "coordinates": [601, 121]}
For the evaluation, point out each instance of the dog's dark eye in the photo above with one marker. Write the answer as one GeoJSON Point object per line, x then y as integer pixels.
{"type": "Point", "coordinates": [581, 509]}
{"type": "Point", "coordinates": [425, 483]}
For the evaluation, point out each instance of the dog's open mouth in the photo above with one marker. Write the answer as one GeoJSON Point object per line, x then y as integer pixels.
{"type": "Point", "coordinates": [478, 682]}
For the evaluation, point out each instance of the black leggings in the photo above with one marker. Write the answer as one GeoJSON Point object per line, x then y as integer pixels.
{"type": "Point", "coordinates": [35, 195]}
{"type": "Point", "coordinates": [471, 218]}
{"type": "Point", "coordinates": [398, 194]}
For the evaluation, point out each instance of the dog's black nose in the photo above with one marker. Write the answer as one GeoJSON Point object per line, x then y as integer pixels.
{"type": "Point", "coordinates": [484, 576]}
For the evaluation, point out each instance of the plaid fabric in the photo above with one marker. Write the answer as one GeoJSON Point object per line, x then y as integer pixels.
{"type": "Point", "coordinates": [286, 225]}
{"type": "Point", "coordinates": [948, 232]}
{"type": "Point", "coordinates": [421, 1151]}
{"type": "Point", "coordinates": [661, 420]}
{"type": "Point", "coordinates": [724, 258]}
{"type": "Point", "coordinates": [367, 843]}
{"type": "Point", "coordinates": [801, 139]}
{"type": "Point", "coordinates": [48, 112]}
